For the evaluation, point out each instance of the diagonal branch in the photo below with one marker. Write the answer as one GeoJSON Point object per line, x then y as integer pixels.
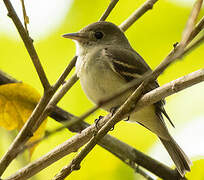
{"type": "Point", "coordinates": [28, 44]}
{"type": "Point", "coordinates": [108, 10]}
{"type": "Point", "coordinates": [137, 14]}
{"type": "Point", "coordinates": [191, 22]}
{"type": "Point", "coordinates": [194, 45]}
{"type": "Point", "coordinates": [199, 27]}
{"type": "Point", "coordinates": [25, 16]}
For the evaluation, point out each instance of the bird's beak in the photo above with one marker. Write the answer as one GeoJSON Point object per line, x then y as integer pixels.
{"type": "Point", "coordinates": [79, 36]}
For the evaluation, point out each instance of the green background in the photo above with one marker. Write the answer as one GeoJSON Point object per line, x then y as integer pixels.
{"type": "Point", "coordinates": [152, 37]}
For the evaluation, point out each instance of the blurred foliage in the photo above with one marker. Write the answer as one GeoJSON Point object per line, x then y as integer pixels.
{"type": "Point", "coordinates": [17, 101]}
{"type": "Point", "coordinates": [152, 36]}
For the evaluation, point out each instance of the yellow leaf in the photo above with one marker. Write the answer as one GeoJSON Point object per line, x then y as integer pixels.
{"type": "Point", "coordinates": [17, 101]}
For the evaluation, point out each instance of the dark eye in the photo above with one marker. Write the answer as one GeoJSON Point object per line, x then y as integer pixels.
{"type": "Point", "coordinates": [98, 35]}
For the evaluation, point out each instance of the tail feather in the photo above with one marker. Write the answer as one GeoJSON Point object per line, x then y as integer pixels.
{"type": "Point", "coordinates": [180, 159]}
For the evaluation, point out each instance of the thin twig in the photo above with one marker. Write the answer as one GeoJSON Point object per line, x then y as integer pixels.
{"type": "Point", "coordinates": [55, 99]}
{"type": "Point", "coordinates": [25, 16]}
{"type": "Point", "coordinates": [199, 27]}
{"type": "Point", "coordinates": [191, 22]}
{"type": "Point", "coordinates": [61, 79]}
{"type": "Point", "coordinates": [193, 45]}
{"type": "Point", "coordinates": [108, 10]}
{"type": "Point", "coordinates": [28, 43]}
{"type": "Point", "coordinates": [137, 14]}
{"type": "Point", "coordinates": [65, 87]}
{"type": "Point", "coordinates": [142, 172]}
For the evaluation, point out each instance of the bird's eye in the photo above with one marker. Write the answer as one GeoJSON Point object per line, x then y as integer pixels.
{"type": "Point", "coordinates": [98, 35]}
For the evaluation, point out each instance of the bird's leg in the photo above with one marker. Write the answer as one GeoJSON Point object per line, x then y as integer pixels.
{"type": "Point", "coordinates": [112, 128]}
{"type": "Point", "coordinates": [113, 110]}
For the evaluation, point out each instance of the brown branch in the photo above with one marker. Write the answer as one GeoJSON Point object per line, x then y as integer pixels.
{"type": "Point", "coordinates": [171, 88]}
{"type": "Point", "coordinates": [108, 10]}
{"type": "Point", "coordinates": [137, 14]}
{"type": "Point", "coordinates": [65, 87]}
{"type": "Point", "coordinates": [28, 44]}
{"type": "Point", "coordinates": [74, 143]}
{"type": "Point", "coordinates": [131, 156]}
{"type": "Point", "coordinates": [55, 99]}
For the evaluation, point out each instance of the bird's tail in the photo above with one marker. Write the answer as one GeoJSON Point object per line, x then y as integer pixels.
{"type": "Point", "coordinates": [180, 159]}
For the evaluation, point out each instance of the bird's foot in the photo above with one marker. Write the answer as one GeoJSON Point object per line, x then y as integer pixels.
{"type": "Point", "coordinates": [128, 118]}
{"type": "Point", "coordinates": [113, 110]}
{"type": "Point", "coordinates": [97, 121]}
{"type": "Point", "coordinates": [112, 128]}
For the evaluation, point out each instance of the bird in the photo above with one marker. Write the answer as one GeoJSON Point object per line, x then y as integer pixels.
{"type": "Point", "coordinates": [105, 63]}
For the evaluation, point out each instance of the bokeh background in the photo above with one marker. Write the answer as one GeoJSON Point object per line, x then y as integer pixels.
{"type": "Point", "coordinates": [152, 37]}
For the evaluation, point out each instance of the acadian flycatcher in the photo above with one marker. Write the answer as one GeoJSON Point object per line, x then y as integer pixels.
{"type": "Point", "coordinates": [106, 61]}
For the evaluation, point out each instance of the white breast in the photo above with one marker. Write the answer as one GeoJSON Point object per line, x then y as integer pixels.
{"type": "Point", "coordinates": [98, 80]}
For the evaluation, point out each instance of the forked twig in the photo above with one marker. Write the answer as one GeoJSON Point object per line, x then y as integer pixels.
{"type": "Point", "coordinates": [25, 16]}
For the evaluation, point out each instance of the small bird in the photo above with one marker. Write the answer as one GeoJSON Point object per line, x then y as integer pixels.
{"type": "Point", "coordinates": [106, 62]}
